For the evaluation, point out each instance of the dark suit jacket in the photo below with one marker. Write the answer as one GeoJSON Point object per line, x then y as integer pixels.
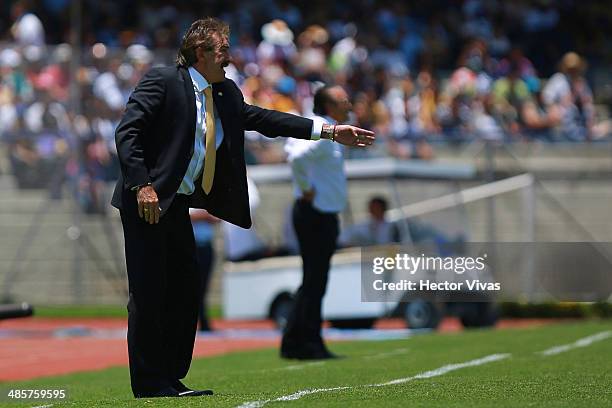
{"type": "Point", "coordinates": [155, 141]}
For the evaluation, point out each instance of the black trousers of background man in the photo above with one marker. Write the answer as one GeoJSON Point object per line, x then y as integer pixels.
{"type": "Point", "coordinates": [164, 294]}
{"type": "Point", "coordinates": [317, 233]}
{"type": "Point", "coordinates": [205, 255]}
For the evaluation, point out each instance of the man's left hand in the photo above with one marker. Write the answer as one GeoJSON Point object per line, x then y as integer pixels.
{"type": "Point", "coordinates": [308, 196]}
{"type": "Point", "coordinates": [354, 136]}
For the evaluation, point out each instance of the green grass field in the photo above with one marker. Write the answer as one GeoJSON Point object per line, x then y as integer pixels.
{"type": "Point", "coordinates": [578, 377]}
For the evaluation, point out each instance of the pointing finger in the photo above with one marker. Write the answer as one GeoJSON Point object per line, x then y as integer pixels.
{"type": "Point", "coordinates": [364, 132]}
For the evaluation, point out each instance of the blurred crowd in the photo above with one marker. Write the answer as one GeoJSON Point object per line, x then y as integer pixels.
{"type": "Point", "coordinates": [421, 75]}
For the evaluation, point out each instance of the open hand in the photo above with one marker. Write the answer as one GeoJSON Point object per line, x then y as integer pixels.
{"type": "Point", "coordinates": [354, 136]}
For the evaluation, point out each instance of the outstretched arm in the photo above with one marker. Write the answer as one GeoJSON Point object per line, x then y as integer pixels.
{"type": "Point", "coordinates": [272, 123]}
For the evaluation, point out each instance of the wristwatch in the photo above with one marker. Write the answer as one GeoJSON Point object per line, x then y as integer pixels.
{"type": "Point", "coordinates": [136, 188]}
{"type": "Point", "coordinates": [328, 132]}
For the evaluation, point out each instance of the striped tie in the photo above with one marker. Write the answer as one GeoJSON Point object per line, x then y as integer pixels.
{"type": "Point", "coordinates": [211, 151]}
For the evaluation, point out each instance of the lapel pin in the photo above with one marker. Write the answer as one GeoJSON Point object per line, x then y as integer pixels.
{"type": "Point", "coordinates": [220, 93]}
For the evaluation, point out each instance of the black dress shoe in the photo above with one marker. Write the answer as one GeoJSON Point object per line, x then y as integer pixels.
{"type": "Point", "coordinates": [309, 354]}
{"type": "Point", "coordinates": [184, 391]}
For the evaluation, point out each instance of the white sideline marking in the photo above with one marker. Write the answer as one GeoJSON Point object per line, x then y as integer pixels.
{"type": "Point", "coordinates": [427, 374]}
{"type": "Point", "coordinates": [300, 394]}
{"type": "Point", "coordinates": [584, 342]}
{"type": "Point", "coordinates": [302, 366]}
{"type": "Point", "coordinates": [386, 354]}
{"type": "Point", "coordinates": [253, 404]}
{"type": "Point", "coordinates": [446, 369]}
{"type": "Point", "coordinates": [290, 397]}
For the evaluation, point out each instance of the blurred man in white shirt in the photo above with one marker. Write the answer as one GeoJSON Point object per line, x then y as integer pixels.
{"type": "Point", "coordinates": [320, 191]}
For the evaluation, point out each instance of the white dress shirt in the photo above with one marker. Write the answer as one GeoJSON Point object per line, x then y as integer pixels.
{"type": "Point", "coordinates": [196, 164]}
{"type": "Point", "coordinates": [319, 165]}
{"type": "Point", "coordinates": [199, 150]}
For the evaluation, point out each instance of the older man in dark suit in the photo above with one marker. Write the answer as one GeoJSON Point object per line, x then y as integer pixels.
{"type": "Point", "coordinates": [181, 145]}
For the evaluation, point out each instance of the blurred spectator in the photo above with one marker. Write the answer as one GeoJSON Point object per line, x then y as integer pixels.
{"type": "Point", "coordinates": [277, 44]}
{"type": "Point", "coordinates": [516, 60]}
{"type": "Point", "coordinates": [311, 59]}
{"type": "Point", "coordinates": [472, 75]}
{"type": "Point", "coordinates": [15, 87]}
{"type": "Point", "coordinates": [509, 94]}
{"type": "Point", "coordinates": [54, 77]}
{"type": "Point", "coordinates": [38, 159]}
{"type": "Point", "coordinates": [376, 230]}
{"type": "Point", "coordinates": [486, 122]}
{"type": "Point", "coordinates": [27, 29]}
{"type": "Point", "coordinates": [25, 163]}
{"type": "Point", "coordinates": [423, 104]}
{"type": "Point", "coordinates": [568, 94]}
{"type": "Point", "coordinates": [539, 123]}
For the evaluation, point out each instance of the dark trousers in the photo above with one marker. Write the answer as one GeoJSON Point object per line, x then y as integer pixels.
{"type": "Point", "coordinates": [164, 293]}
{"type": "Point", "coordinates": [205, 257]}
{"type": "Point", "coordinates": [316, 233]}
